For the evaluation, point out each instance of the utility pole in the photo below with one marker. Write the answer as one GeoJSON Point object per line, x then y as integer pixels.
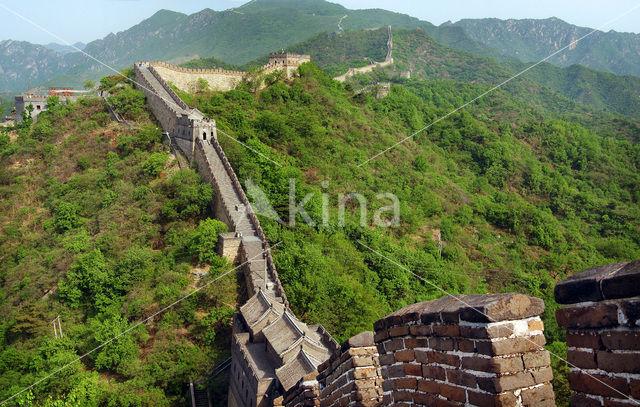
{"type": "Point", "coordinates": [57, 331]}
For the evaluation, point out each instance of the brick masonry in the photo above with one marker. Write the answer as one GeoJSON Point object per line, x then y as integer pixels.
{"type": "Point", "coordinates": [481, 350]}
{"type": "Point", "coordinates": [601, 313]}
{"type": "Point", "coordinates": [350, 377]}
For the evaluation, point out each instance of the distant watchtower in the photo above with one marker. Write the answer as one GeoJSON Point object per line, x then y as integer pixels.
{"type": "Point", "coordinates": [287, 62]}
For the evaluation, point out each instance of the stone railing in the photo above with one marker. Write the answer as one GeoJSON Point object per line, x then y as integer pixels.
{"type": "Point", "coordinates": [601, 314]}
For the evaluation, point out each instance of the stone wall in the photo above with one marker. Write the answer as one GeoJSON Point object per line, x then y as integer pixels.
{"type": "Point", "coordinates": [601, 313]}
{"type": "Point", "coordinates": [187, 79]}
{"type": "Point", "coordinates": [485, 351]}
{"type": "Point", "coordinates": [387, 61]}
{"type": "Point", "coordinates": [473, 350]}
{"type": "Point", "coordinates": [352, 376]}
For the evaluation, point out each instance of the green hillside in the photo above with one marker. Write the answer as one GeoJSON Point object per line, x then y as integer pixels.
{"type": "Point", "coordinates": [100, 226]}
{"type": "Point", "coordinates": [417, 52]}
{"type": "Point", "coordinates": [520, 198]}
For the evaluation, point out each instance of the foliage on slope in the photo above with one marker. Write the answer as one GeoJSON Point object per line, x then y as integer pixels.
{"type": "Point", "coordinates": [519, 204]}
{"type": "Point", "coordinates": [100, 226]}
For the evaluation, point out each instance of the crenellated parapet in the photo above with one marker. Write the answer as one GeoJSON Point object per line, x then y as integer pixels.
{"type": "Point", "coordinates": [188, 80]}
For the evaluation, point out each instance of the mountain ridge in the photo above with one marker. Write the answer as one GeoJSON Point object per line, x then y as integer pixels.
{"type": "Point", "coordinates": [531, 40]}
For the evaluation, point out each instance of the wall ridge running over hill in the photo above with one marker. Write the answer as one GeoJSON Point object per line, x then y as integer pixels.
{"type": "Point", "coordinates": [272, 349]}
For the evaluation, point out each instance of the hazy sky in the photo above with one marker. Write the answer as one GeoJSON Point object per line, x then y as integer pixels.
{"type": "Point", "coordinates": [87, 20]}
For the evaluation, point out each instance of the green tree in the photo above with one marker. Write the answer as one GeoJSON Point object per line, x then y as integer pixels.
{"type": "Point", "coordinates": [119, 351]}
{"type": "Point", "coordinates": [204, 240]}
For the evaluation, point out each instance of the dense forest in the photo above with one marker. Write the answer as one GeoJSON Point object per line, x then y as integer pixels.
{"type": "Point", "coordinates": [101, 227]}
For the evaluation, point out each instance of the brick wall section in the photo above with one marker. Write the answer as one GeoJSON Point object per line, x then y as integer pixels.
{"type": "Point", "coordinates": [486, 351]}
{"type": "Point", "coordinates": [601, 314]}
{"type": "Point", "coordinates": [306, 393]}
{"type": "Point", "coordinates": [352, 375]}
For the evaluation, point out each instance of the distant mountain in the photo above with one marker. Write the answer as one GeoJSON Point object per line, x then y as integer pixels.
{"type": "Point", "coordinates": [415, 51]}
{"type": "Point", "coordinates": [65, 49]}
{"type": "Point", "coordinates": [532, 40]}
{"type": "Point", "coordinates": [236, 36]}
{"type": "Point", "coordinates": [24, 65]}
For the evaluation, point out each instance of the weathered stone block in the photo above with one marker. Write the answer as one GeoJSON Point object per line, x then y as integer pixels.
{"type": "Point", "coordinates": [449, 330]}
{"type": "Point", "coordinates": [506, 383]}
{"type": "Point", "coordinates": [420, 330]}
{"type": "Point", "coordinates": [453, 393]}
{"type": "Point", "coordinates": [412, 343]}
{"type": "Point", "coordinates": [399, 331]}
{"type": "Point", "coordinates": [493, 365]}
{"type": "Point", "coordinates": [500, 307]}
{"type": "Point", "coordinates": [511, 346]}
{"type": "Point", "coordinates": [624, 283]}
{"type": "Point", "coordinates": [462, 378]}
{"type": "Point", "coordinates": [441, 344]}
{"type": "Point", "coordinates": [583, 339]}
{"type": "Point", "coordinates": [582, 359]}
{"type": "Point", "coordinates": [628, 362]}
{"type": "Point", "coordinates": [537, 394]}
{"type": "Point", "coordinates": [582, 400]}
{"type": "Point", "coordinates": [491, 400]}
{"type": "Point", "coordinates": [405, 356]}
{"type": "Point", "coordinates": [445, 358]}
{"type": "Point", "coordinates": [584, 286]}
{"type": "Point", "coordinates": [542, 375]}
{"type": "Point", "coordinates": [600, 315]}
{"type": "Point", "coordinates": [466, 345]}
{"type": "Point", "coordinates": [486, 332]}
{"type": "Point", "coordinates": [433, 372]}
{"type": "Point", "coordinates": [361, 340]}
{"type": "Point", "coordinates": [412, 369]}
{"type": "Point", "coordinates": [626, 340]}
{"type": "Point", "coordinates": [536, 359]}
{"type": "Point", "coordinates": [600, 385]}
{"type": "Point", "coordinates": [429, 386]}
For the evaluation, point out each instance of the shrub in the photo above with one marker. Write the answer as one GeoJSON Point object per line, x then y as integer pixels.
{"type": "Point", "coordinates": [66, 216]}
{"type": "Point", "coordinates": [154, 164]}
{"type": "Point", "coordinates": [129, 102]}
{"type": "Point", "coordinates": [204, 239]}
{"type": "Point", "coordinates": [186, 196]}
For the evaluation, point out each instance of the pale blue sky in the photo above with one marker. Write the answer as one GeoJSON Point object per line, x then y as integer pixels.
{"type": "Point", "coordinates": [87, 20]}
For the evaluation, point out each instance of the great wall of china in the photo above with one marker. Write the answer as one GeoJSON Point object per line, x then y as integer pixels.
{"type": "Point", "coordinates": [467, 350]}
{"type": "Point", "coordinates": [387, 61]}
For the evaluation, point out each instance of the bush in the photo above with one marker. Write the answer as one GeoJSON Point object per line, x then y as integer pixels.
{"type": "Point", "coordinates": [204, 240]}
{"type": "Point", "coordinates": [155, 164]}
{"type": "Point", "coordinates": [186, 196]}
{"type": "Point", "coordinates": [129, 102]}
{"type": "Point", "coordinates": [66, 216]}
